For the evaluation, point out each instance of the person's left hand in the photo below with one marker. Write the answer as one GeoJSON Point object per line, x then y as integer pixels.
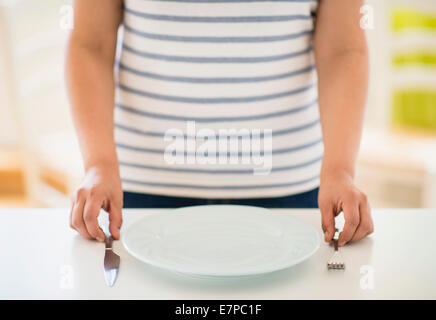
{"type": "Point", "coordinates": [337, 194]}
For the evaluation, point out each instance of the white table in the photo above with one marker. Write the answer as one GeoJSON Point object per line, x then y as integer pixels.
{"type": "Point", "coordinates": [42, 258]}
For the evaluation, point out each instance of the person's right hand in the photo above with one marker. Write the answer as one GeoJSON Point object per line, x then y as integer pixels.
{"type": "Point", "coordinates": [101, 188]}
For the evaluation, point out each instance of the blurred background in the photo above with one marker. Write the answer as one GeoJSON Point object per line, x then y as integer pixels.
{"type": "Point", "coordinates": [40, 163]}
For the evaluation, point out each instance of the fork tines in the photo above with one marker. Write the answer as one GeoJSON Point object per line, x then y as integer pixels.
{"type": "Point", "coordinates": [336, 262]}
{"type": "Point", "coordinates": [335, 265]}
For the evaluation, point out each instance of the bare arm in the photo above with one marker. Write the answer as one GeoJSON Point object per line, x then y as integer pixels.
{"type": "Point", "coordinates": [342, 65]}
{"type": "Point", "coordinates": [90, 60]}
{"type": "Point", "coordinates": [90, 82]}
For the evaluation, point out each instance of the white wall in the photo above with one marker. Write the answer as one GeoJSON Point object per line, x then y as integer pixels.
{"type": "Point", "coordinates": [33, 52]}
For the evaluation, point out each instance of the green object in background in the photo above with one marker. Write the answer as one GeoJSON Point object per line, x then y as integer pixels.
{"type": "Point", "coordinates": [424, 59]}
{"type": "Point", "coordinates": [408, 18]}
{"type": "Point", "coordinates": [415, 108]}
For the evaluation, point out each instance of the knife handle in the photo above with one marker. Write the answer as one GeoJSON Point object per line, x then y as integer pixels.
{"type": "Point", "coordinates": [335, 239]}
{"type": "Point", "coordinates": [108, 242]}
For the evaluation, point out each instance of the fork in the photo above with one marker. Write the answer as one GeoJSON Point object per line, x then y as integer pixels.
{"type": "Point", "coordinates": [336, 262]}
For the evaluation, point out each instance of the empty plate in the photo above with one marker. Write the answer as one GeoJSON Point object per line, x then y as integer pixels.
{"type": "Point", "coordinates": [221, 240]}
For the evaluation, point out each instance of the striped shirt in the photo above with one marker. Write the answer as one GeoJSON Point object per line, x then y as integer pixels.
{"type": "Point", "coordinates": [217, 64]}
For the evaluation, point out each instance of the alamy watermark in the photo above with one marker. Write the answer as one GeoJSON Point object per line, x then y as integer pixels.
{"type": "Point", "coordinates": [66, 281]}
{"type": "Point", "coordinates": [367, 20]}
{"type": "Point", "coordinates": [66, 21]}
{"type": "Point", "coordinates": [225, 146]}
{"type": "Point", "coordinates": [367, 277]}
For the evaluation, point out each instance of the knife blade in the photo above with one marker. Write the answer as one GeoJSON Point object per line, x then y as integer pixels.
{"type": "Point", "coordinates": [111, 262]}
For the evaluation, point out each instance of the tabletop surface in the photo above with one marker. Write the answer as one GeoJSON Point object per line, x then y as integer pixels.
{"type": "Point", "coordinates": [42, 258]}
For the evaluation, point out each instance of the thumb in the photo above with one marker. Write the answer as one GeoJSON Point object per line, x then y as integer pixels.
{"type": "Point", "coordinates": [328, 223]}
{"type": "Point", "coordinates": [115, 221]}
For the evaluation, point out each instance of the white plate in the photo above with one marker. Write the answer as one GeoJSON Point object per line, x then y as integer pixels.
{"type": "Point", "coordinates": [221, 240]}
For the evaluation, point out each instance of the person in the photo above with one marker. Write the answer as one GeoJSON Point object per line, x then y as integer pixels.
{"type": "Point", "coordinates": [294, 70]}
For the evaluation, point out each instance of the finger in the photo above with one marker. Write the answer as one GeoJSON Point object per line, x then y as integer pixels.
{"type": "Point", "coordinates": [90, 216]}
{"type": "Point", "coordinates": [71, 214]}
{"type": "Point", "coordinates": [115, 220]}
{"type": "Point", "coordinates": [73, 202]}
{"type": "Point", "coordinates": [366, 225]}
{"type": "Point", "coordinates": [351, 214]}
{"type": "Point", "coordinates": [77, 217]}
{"type": "Point", "coordinates": [328, 222]}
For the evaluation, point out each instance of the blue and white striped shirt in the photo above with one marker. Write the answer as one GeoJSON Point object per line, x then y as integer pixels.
{"type": "Point", "coordinates": [236, 64]}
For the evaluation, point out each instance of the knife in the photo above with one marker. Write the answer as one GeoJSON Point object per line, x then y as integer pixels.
{"type": "Point", "coordinates": [111, 262]}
